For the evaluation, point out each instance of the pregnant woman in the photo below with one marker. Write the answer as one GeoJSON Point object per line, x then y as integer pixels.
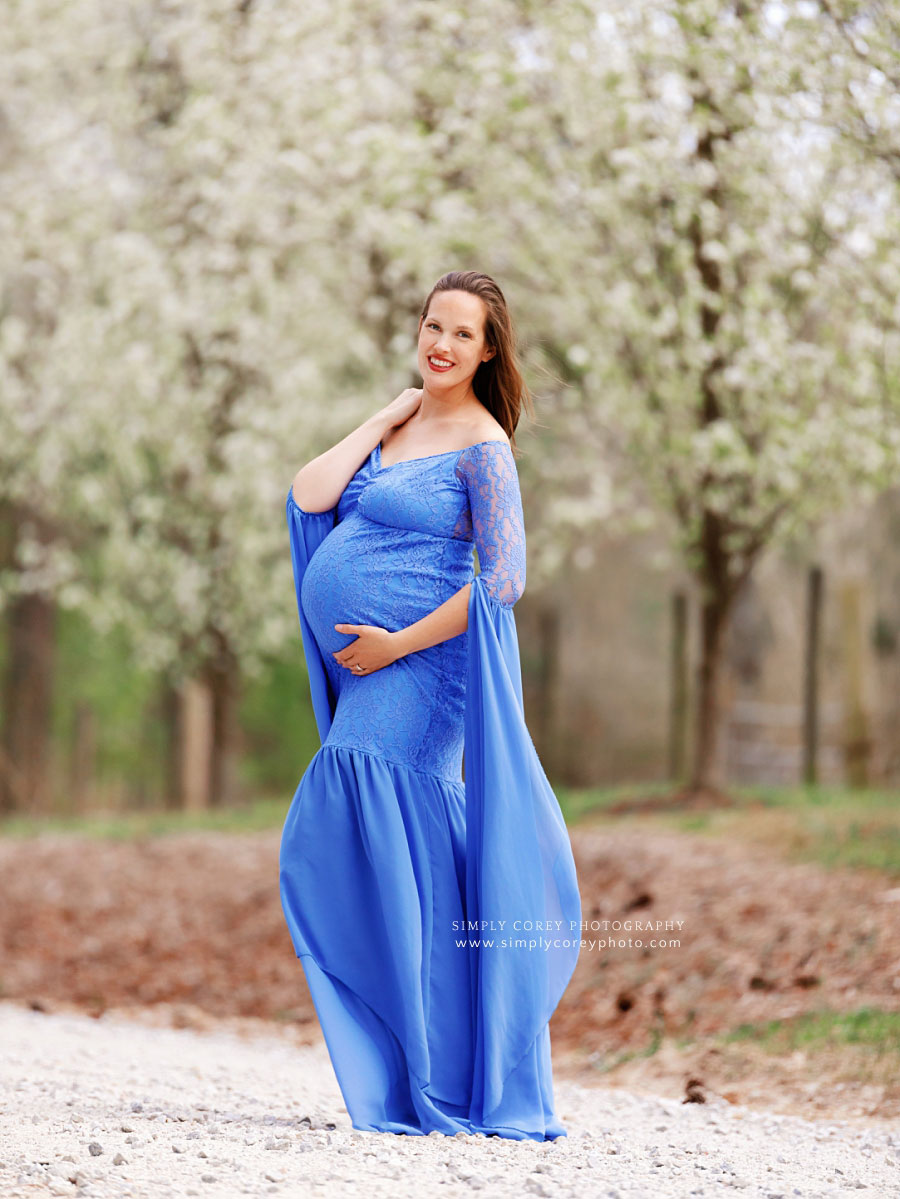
{"type": "Point", "coordinates": [436, 916]}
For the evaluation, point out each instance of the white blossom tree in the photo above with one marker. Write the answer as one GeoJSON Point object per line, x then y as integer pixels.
{"type": "Point", "coordinates": [728, 235]}
{"type": "Point", "coordinates": [218, 225]}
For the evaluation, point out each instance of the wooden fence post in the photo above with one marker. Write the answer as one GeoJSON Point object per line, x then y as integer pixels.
{"type": "Point", "coordinates": [856, 733]}
{"type": "Point", "coordinates": [814, 587]}
{"type": "Point", "coordinates": [678, 687]}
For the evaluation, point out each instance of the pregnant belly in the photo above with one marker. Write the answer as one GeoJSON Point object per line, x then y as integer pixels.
{"type": "Point", "coordinates": [366, 573]}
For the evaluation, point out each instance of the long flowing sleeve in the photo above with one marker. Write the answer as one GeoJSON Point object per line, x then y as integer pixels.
{"type": "Point", "coordinates": [307, 532]}
{"type": "Point", "coordinates": [521, 884]}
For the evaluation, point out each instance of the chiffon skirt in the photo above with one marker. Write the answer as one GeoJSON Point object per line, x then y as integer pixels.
{"type": "Point", "coordinates": [373, 885]}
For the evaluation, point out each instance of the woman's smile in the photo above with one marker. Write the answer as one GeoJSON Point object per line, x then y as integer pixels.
{"type": "Point", "coordinates": [439, 364]}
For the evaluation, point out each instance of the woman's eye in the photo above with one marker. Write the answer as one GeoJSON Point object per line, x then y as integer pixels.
{"type": "Point", "coordinates": [434, 325]}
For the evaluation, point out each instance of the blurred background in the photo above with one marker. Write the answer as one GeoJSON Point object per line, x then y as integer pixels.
{"type": "Point", "coordinates": [218, 223]}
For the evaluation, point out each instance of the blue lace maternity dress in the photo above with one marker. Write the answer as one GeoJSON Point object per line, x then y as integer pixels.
{"type": "Point", "coordinates": [437, 920]}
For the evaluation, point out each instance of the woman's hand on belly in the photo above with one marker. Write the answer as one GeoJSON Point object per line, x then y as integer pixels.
{"type": "Point", "coordinates": [373, 649]}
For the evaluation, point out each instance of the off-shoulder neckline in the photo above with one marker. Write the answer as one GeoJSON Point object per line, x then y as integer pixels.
{"type": "Point", "coordinates": [376, 452]}
{"type": "Point", "coordinates": [442, 454]}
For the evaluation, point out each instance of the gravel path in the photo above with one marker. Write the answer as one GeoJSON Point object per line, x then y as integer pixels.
{"type": "Point", "coordinates": [111, 1108]}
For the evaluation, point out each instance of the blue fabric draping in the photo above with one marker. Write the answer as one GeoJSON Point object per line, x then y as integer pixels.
{"type": "Point", "coordinates": [437, 918]}
{"type": "Point", "coordinates": [521, 883]}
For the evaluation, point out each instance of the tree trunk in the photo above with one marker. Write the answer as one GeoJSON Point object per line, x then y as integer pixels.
{"type": "Point", "coordinates": [196, 739]}
{"type": "Point", "coordinates": [188, 714]}
{"type": "Point", "coordinates": [170, 708]}
{"type": "Point", "coordinates": [705, 772]}
{"type": "Point", "coordinates": [28, 704]}
{"type": "Point", "coordinates": [223, 679]}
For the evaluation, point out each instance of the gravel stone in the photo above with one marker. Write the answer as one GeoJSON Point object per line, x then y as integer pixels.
{"type": "Point", "coordinates": [219, 1104]}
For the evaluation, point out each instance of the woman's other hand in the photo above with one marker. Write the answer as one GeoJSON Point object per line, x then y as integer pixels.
{"type": "Point", "coordinates": [401, 409]}
{"type": "Point", "coordinates": [319, 485]}
{"type": "Point", "coordinates": [373, 648]}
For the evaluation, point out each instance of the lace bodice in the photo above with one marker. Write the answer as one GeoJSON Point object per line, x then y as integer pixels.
{"type": "Point", "coordinates": [475, 498]}
{"type": "Point", "coordinates": [396, 547]}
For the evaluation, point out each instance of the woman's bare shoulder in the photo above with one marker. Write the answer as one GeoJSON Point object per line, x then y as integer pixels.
{"type": "Point", "coordinates": [488, 430]}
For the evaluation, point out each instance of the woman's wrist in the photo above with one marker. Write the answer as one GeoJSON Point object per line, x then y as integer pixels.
{"type": "Point", "coordinates": [448, 620]}
{"type": "Point", "coordinates": [379, 422]}
{"type": "Point", "coordinates": [400, 643]}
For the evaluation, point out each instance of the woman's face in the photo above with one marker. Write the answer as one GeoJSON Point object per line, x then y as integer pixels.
{"type": "Point", "coordinates": [451, 339]}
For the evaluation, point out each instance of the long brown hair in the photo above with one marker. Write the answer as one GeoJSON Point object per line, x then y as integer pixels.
{"type": "Point", "coordinates": [498, 383]}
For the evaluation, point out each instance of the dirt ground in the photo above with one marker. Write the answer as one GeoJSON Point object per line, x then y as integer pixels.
{"type": "Point", "coordinates": [187, 930]}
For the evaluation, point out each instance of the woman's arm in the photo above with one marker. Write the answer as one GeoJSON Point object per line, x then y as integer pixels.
{"type": "Point", "coordinates": [320, 483]}
{"type": "Point", "coordinates": [375, 648]}
{"type": "Point", "coordinates": [449, 620]}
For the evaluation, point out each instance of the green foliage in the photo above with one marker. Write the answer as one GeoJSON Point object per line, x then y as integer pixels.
{"type": "Point", "coordinates": [130, 734]}
{"type": "Point", "coordinates": [578, 803]}
{"type": "Point", "coordinates": [95, 670]}
{"type": "Point", "coordinates": [263, 814]}
{"type": "Point", "coordinates": [280, 735]}
{"type": "Point", "coordinates": [866, 1026]}
{"type": "Point", "coordinates": [834, 826]}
